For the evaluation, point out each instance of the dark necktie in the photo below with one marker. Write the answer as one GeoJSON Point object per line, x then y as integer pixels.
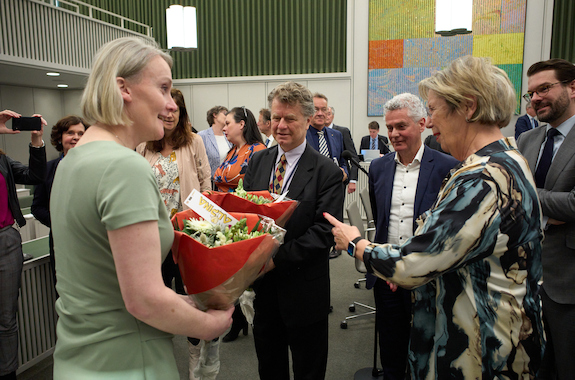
{"type": "Point", "coordinates": [546, 158]}
{"type": "Point", "coordinates": [373, 144]}
{"type": "Point", "coordinates": [323, 144]}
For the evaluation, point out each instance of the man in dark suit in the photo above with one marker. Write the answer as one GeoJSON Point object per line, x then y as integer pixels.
{"type": "Point", "coordinates": [402, 186]}
{"type": "Point", "coordinates": [347, 145]}
{"type": "Point", "coordinates": [292, 299]}
{"type": "Point", "coordinates": [374, 140]}
{"type": "Point", "coordinates": [333, 138]}
{"type": "Point", "coordinates": [526, 122]}
{"type": "Point", "coordinates": [550, 151]}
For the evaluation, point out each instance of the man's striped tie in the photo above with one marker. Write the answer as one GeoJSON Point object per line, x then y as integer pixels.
{"type": "Point", "coordinates": [323, 144]}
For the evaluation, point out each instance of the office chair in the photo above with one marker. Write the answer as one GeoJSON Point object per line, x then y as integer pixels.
{"type": "Point", "coordinates": [373, 372]}
{"type": "Point", "coordinates": [354, 218]}
{"type": "Point", "coordinates": [366, 202]}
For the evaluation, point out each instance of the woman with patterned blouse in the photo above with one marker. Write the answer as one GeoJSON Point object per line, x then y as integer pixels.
{"type": "Point", "coordinates": [242, 131]}
{"type": "Point", "coordinates": [474, 263]}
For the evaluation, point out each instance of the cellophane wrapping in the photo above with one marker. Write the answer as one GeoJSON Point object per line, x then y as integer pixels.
{"type": "Point", "coordinates": [216, 277]}
{"type": "Point", "coordinates": [280, 212]}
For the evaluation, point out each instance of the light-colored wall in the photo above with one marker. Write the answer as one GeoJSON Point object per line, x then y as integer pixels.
{"type": "Point", "coordinates": [347, 92]}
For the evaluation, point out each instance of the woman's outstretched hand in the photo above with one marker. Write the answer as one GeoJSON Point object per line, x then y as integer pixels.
{"type": "Point", "coordinates": [342, 233]}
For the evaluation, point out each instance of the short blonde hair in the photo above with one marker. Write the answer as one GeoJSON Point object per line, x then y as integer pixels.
{"type": "Point", "coordinates": [124, 57]}
{"type": "Point", "coordinates": [293, 93]}
{"type": "Point", "coordinates": [474, 77]}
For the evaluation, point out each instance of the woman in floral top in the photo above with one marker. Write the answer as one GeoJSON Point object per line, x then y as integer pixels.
{"type": "Point", "coordinates": [475, 260]}
{"type": "Point", "coordinates": [242, 131]}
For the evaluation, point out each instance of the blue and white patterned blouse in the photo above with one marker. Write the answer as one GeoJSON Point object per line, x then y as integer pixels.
{"type": "Point", "coordinates": [474, 264]}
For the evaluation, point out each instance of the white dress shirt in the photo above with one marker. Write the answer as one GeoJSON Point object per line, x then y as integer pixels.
{"type": "Point", "coordinates": [292, 158]}
{"type": "Point", "coordinates": [403, 199]}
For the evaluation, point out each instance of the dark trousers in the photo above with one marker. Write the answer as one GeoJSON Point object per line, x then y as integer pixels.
{"type": "Point", "coordinates": [559, 322]}
{"type": "Point", "coordinates": [308, 345]}
{"type": "Point", "coordinates": [171, 271]}
{"type": "Point", "coordinates": [11, 262]}
{"type": "Point", "coordinates": [393, 318]}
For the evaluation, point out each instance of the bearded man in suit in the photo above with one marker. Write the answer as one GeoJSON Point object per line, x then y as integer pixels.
{"type": "Point", "coordinates": [292, 298]}
{"type": "Point", "coordinates": [550, 151]}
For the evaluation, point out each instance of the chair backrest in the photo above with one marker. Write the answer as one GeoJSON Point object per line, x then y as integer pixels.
{"type": "Point", "coordinates": [366, 202]}
{"type": "Point", "coordinates": [354, 217]}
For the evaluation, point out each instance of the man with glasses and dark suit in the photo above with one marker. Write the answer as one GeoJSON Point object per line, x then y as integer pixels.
{"type": "Point", "coordinates": [550, 151]}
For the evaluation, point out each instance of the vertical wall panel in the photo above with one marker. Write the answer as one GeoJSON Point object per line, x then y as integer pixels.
{"type": "Point", "coordinates": [563, 38]}
{"type": "Point", "coordinates": [250, 37]}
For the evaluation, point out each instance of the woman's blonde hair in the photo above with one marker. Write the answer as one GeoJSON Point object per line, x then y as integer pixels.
{"type": "Point", "coordinates": [475, 77]}
{"type": "Point", "coordinates": [124, 57]}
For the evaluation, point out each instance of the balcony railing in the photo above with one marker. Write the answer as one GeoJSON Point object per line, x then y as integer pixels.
{"type": "Point", "coordinates": [63, 34]}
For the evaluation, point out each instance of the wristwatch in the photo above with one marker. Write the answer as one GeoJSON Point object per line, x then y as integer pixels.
{"type": "Point", "coordinates": [351, 246]}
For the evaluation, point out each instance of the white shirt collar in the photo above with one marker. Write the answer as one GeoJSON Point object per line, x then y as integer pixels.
{"type": "Point", "coordinates": [416, 159]}
{"type": "Point", "coordinates": [293, 155]}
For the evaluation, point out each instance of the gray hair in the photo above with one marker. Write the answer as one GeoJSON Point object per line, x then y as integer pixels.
{"type": "Point", "coordinates": [332, 110]}
{"type": "Point", "coordinates": [415, 109]}
{"type": "Point", "coordinates": [293, 93]}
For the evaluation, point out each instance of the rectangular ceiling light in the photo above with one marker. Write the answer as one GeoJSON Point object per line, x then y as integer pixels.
{"type": "Point", "coordinates": [181, 27]}
{"type": "Point", "coordinates": [453, 17]}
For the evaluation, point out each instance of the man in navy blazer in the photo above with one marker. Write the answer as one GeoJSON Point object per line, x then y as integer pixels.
{"type": "Point", "coordinates": [292, 298]}
{"type": "Point", "coordinates": [402, 186]}
{"type": "Point", "coordinates": [374, 134]}
{"type": "Point", "coordinates": [526, 122]}
{"type": "Point", "coordinates": [347, 145]}
{"type": "Point", "coordinates": [333, 138]}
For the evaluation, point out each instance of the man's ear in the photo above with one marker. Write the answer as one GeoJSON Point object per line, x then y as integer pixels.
{"type": "Point", "coordinates": [124, 90]}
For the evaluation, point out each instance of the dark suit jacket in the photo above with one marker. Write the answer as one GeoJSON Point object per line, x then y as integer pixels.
{"type": "Point", "coordinates": [381, 144]}
{"type": "Point", "coordinates": [41, 203]}
{"type": "Point", "coordinates": [348, 145]}
{"type": "Point", "coordinates": [434, 167]}
{"type": "Point", "coordinates": [299, 284]}
{"type": "Point", "coordinates": [335, 142]}
{"type": "Point", "coordinates": [558, 202]}
{"type": "Point", "coordinates": [523, 124]}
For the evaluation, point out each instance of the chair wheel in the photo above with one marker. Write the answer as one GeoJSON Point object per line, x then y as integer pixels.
{"type": "Point", "coordinates": [352, 308]}
{"type": "Point", "coordinates": [343, 325]}
{"type": "Point", "coordinates": [356, 285]}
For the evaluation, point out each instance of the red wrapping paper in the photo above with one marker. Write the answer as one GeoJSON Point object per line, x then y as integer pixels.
{"type": "Point", "coordinates": [280, 212]}
{"type": "Point", "coordinates": [216, 277]}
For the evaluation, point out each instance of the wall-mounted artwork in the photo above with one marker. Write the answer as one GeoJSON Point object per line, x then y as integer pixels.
{"type": "Point", "coordinates": [404, 49]}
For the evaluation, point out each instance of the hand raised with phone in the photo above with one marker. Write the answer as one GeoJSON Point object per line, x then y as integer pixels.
{"type": "Point", "coordinates": [25, 124]}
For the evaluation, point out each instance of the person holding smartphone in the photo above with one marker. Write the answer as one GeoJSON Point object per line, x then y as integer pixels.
{"type": "Point", "coordinates": [11, 256]}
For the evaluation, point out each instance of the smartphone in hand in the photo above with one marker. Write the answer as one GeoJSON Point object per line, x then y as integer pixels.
{"type": "Point", "coordinates": [26, 123]}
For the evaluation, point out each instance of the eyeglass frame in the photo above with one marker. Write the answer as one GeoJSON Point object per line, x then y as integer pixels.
{"type": "Point", "coordinates": [528, 96]}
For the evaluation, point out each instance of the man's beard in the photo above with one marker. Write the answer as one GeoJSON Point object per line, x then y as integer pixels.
{"type": "Point", "coordinates": [556, 108]}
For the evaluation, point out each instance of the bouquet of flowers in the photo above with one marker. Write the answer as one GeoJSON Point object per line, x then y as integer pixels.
{"type": "Point", "coordinates": [255, 202]}
{"type": "Point", "coordinates": [218, 263]}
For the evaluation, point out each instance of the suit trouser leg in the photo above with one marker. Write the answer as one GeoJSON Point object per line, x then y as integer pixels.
{"type": "Point", "coordinates": [393, 318]}
{"type": "Point", "coordinates": [11, 262]}
{"type": "Point", "coordinates": [308, 345]}
{"type": "Point", "coordinates": [561, 328]}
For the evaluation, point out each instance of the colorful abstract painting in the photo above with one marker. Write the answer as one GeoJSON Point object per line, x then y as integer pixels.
{"type": "Point", "coordinates": [404, 49]}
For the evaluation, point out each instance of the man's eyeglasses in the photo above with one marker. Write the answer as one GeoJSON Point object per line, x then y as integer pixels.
{"type": "Point", "coordinates": [541, 90]}
{"type": "Point", "coordinates": [323, 110]}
